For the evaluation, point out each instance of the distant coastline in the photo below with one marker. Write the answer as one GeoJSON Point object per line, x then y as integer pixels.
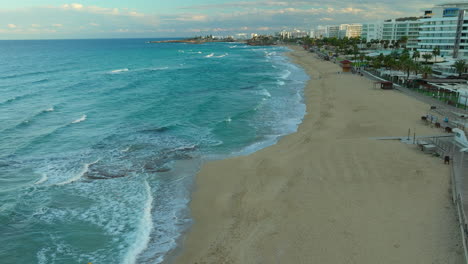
{"type": "Point", "coordinates": [196, 40]}
{"type": "Point", "coordinates": [254, 41]}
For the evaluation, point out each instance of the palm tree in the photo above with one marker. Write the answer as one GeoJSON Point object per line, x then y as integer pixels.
{"type": "Point", "coordinates": [355, 51]}
{"type": "Point", "coordinates": [403, 41]}
{"type": "Point", "coordinates": [407, 65]}
{"type": "Point", "coordinates": [460, 66]}
{"type": "Point", "coordinates": [416, 55]}
{"type": "Point", "coordinates": [436, 52]}
{"type": "Point", "coordinates": [426, 70]}
{"type": "Point", "coordinates": [427, 56]}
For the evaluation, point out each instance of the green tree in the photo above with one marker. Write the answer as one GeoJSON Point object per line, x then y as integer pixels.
{"type": "Point", "coordinates": [460, 66]}
{"type": "Point", "coordinates": [403, 41]}
{"type": "Point", "coordinates": [426, 70]}
{"type": "Point", "coordinates": [427, 56]}
{"type": "Point", "coordinates": [407, 65]}
{"type": "Point", "coordinates": [355, 51]}
{"type": "Point", "coordinates": [416, 55]}
{"type": "Point", "coordinates": [436, 52]}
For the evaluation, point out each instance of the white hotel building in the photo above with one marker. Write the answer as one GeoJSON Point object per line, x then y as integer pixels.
{"type": "Point", "coordinates": [393, 30]}
{"type": "Point", "coordinates": [445, 26]}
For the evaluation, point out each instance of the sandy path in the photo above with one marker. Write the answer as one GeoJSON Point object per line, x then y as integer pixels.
{"type": "Point", "coordinates": [328, 194]}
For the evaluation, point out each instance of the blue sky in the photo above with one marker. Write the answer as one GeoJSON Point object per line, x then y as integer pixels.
{"type": "Point", "coordinates": [44, 19]}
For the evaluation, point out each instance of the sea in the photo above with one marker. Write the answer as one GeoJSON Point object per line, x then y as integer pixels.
{"type": "Point", "coordinates": [101, 140]}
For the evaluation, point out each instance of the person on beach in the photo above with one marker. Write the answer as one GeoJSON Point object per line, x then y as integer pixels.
{"type": "Point", "coordinates": [447, 160]}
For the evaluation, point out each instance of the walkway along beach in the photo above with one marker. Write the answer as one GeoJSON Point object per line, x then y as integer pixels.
{"type": "Point", "coordinates": [329, 194]}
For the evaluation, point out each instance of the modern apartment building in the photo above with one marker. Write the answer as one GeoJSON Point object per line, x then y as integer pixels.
{"type": "Point", "coordinates": [394, 30]}
{"type": "Point", "coordinates": [353, 30]}
{"type": "Point", "coordinates": [445, 26]}
{"type": "Point", "coordinates": [343, 30]}
{"type": "Point", "coordinates": [372, 31]}
{"type": "Point", "coordinates": [333, 31]}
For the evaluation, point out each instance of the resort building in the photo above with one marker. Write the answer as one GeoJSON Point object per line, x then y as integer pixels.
{"type": "Point", "coordinates": [320, 32]}
{"type": "Point", "coordinates": [372, 31]}
{"type": "Point", "coordinates": [393, 30]}
{"type": "Point", "coordinates": [343, 30]}
{"type": "Point", "coordinates": [296, 33]}
{"type": "Point", "coordinates": [332, 31]}
{"type": "Point", "coordinates": [350, 30]}
{"type": "Point", "coordinates": [445, 26]}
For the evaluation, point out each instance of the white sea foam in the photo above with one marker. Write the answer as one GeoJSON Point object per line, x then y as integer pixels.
{"type": "Point", "coordinates": [191, 147]}
{"type": "Point", "coordinates": [143, 232]}
{"type": "Point", "coordinates": [42, 179]}
{"type": "Point", "coordinates": [281, 83]}
{"type": "Point", "coordinates": [232, 47]}
{"type": "Point", "coordinates": [50, 109]}
{"type": "Point", "coordinates": [81, 119]}
{"type": "Point", "coordinates": [209, 55]}
{"type": "Point", "coordinates": [78, 175]}
{"type": "Point", "coordinates": [228, 120]}
{"type": "Point", "coordinates": [119, 71]}
{"type": "Point", "coordinates": [286, 74]}
{"type": "Point", "coordinates": [158, 68]}
{"type": "Point", "coordinates": [221, 56]}
{"type": "Point", "coordinates": [265, 93]}
{"type": "Point", "coordinates": [126, 150]}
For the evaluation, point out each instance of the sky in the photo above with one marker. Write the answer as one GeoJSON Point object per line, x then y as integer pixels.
{"type": "Point", "coordinates": [57, 19]}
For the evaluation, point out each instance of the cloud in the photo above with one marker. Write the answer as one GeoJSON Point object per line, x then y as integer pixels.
{"type": "Point", "coordinates": [247, 5]}
{"type": "Point", "coordinates": [12, 26]}
{"type": "Point", "coordinates": [257, 16]}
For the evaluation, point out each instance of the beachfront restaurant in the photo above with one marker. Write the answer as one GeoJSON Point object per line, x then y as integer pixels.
{"type": "Point", "coordinates": [452, 91]}
{"type": "Point", "coordinates": [398, 77]}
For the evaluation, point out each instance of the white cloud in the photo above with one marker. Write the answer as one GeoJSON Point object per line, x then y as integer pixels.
{"type": "Point", "coordinates": [57, 25]}
{"type": "Point", "coordinates": [35, 25]}
{"type": "Point", "coordinates": [12, 26]}
{"type": "Point", "coordinates": [136, 14]}
{"type": "Point", "coordinates": [94, 24]}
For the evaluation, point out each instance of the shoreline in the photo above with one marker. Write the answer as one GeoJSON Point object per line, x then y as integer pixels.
{"type": "Point", "coordinates": [290, 203]}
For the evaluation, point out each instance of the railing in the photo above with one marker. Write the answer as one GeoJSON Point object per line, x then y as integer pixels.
{"type": "Point", "coordinates": [458, 202]}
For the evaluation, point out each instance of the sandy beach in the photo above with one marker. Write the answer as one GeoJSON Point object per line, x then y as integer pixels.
{"type": "Point", "coordinates": [329, 194]}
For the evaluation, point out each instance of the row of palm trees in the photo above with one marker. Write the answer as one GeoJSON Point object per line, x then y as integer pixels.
{"type": "Point", "coordinates": [397, 61]}
{"type": "Point", "coordinates": [408, 64]}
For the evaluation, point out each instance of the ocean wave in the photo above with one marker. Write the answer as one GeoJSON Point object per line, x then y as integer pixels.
{"type": "Point", "coordinates": [211, 55]}
{"type": "Point", "coordinates": [79, 175]}
{"type": "Point", "coordinates": [17, 98]}
{"type": "Point", "coordinates": [43, 179]}
{"type": "Point", "coordinates": [118, 71]}
{"type": "Point", "coordinates": [143, 233]}
{"type": "Point", "coordinates": [79, 120]}
{"type": "Point", "coordinates": [19, 75]}
{"type": "Point", "coordinates": [221, 56]}
{"type": "Point", "coordinates": [265, 92]}
{"type": "Point", "coordinates": [285, 74]}
{"type": "Point", "coordinates": [158, 68]}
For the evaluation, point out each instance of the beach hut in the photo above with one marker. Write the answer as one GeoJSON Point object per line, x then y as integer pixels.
{"type": "Point", "coordinates": [346, 65]}
{"type": "Point", "coordinates": [384, 85]}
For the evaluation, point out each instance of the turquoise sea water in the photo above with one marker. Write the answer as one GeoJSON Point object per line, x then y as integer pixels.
{"type": "Point", "coordinates": [101, 139]}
